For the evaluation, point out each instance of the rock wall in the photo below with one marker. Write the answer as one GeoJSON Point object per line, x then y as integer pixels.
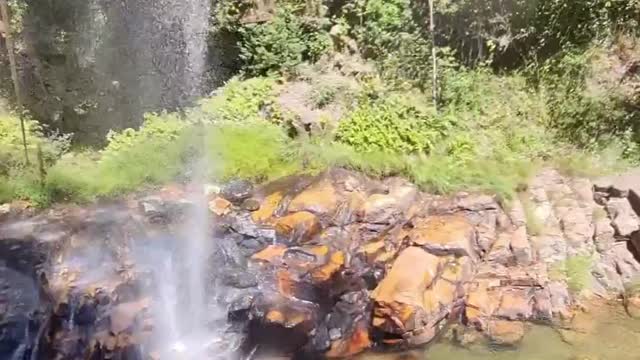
{"type": "Point", "coordinates": [339, 263]}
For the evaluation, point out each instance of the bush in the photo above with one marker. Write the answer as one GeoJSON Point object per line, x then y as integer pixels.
{"type": "Point", "coordinates": [390, 125]}
{"type": "Point", "coordinates": [282, 43]}
{"type": "Point", "coordinates": [240, 100]}
{"type": "Point", "coordinates": [12, 149]}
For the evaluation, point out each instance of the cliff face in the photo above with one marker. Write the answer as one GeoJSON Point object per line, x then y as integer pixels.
{"type": "Point", "coordinates": [90, 66]}
{"type": "Point", "coordinates": [333, 265]}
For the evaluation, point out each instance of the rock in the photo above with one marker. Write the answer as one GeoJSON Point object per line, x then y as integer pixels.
{"type": "Point", "coordinates": [236, 191]}
{"type": "Point", "coordinates": [604, 234]}
{"type": "Point", "coordinates": [251, 204]}
{"type": "Point", "coordinates": [298, 227]}
{"type": "Point", "coordinates": [220, 206]}
{"type": "Point", "coordinates": [152, 208]}
{"type": "Point", "coordinates": [267, 208]}
{"type": "Point", "coordinates": [521, 247]}
{"type": "Point", "coordinates": [5, 210]}
{"type": "Point", "coordinates": [123, 316]}
{"type": "Point", "coordinates": [506, 333]}
{"type": "Point", "coordinates": [320, 198]}
{"type": "Point", "coordinates": [391, 207]}
{"type": "Point", "coordinates": [623, 218]}
{"type": "Point", "coordinates": [500, 252]}
{"type": "Point", "coordinates": [399, 306]}
{"type": "Point", "coordinates": [632, 305]}
{"type": "Point", "coordinates": [444, 235]}
{"type": "Point", "coordinates": [516, 304]}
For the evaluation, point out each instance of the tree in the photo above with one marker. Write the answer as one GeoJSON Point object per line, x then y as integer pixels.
{"type": "Point", "coordinates": [5, 20]}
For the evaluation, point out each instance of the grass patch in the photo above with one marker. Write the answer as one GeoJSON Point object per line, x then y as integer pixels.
{"type": "Point", "coordinates": [574, 270]}
{"type": "Point", "coordinates": [535, 226]}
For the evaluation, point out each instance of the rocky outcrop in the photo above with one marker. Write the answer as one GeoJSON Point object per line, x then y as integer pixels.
{"type": "Point", "coordinates": [337, 263]}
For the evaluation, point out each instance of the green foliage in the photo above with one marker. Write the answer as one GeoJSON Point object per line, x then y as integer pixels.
{"type": "Point", "coordinates": [576, 270]}
{"type": "Point", "coordinates": [391, 125]}
{"type": "Point", "coordinates": [591, 119]}
{"type": "Point", "coordinates": [535, 226]}
{"type": "Point", "coordinates": [253, 151]}
{"type": "Point", "coordinates": [282, 43]}
{"type": "Point", "coordinates": [240, 100]}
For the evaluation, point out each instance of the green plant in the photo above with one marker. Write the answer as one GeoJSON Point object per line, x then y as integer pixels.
{"type": "Point", "coordinates": [535, 226]}
{"type": "Point", "coordinates": [282, 43]}
{"type": "Point", "coordinates": [575, 270]}
{"type": "Point", "coordinates": [255, 151]}
{"type": "Point", "coordinates": [391, 125]}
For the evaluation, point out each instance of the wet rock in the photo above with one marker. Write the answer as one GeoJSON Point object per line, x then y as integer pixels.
{"type": "Point", "coordinates": [220, 206]}
{"type": "Point", "coordinates": [123, 316]}
{"type": "Point", "coordinates": [320, 198]}
{"type": "Point", "coordinates": [298, 227]}
{"type": "Point", "coordinates": [268, 208]}
{"type": "Point", "coordinates": [623, 218]}
{"type": "Point", "coordinates": [153, 208]}
{"type": "Point", "coordinates": [506, 333]}
{"type": "Point", "coordinates": [251, 204]}
{"type": "Point", "coordinates": [236, 191]}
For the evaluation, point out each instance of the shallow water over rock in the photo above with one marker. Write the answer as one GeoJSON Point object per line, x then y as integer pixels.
{"type": "Point", "coordinates": [605, 332]}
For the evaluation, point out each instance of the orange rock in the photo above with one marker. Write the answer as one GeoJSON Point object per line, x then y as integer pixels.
{"type": "Point", "coordinates": [219, 206]}
{"type": "Point", "coordinates": [319, 198]}
{"type": "Point", "coordinates": [275, 316]}
{"type": "Point", "coordinates": [515, 305]}
{"type": "Point", "coordinates": [268, 207]}
{"type": "Point", "coordinates": [301, 226]}
{"type": "Point", "coordinates": [270, 253]}
{"type": "Point", "coordinates": [451, 234]}
{"type": "Point", "coordinates": [412, 272]}
{"type": "Point", "coordinates": [506, 332]}
{"type": "Point", "coordinates": [481, 304]}
{"type": "Point", "coordinates": [320, 250]}
{"type": "Point", "coordinates": [358, 342]}
{"type": "Point", "coordinates": [325, 273]}
{"type": "Point", "coordinates": [440, 295]}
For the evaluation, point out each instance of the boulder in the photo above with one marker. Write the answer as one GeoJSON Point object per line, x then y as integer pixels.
{"type": "Point", "coordinates": [623, 218]}
{"type": "Point", "coordinates": [236, 191]}
{"type": "Point", "coordinates": [444, 235]}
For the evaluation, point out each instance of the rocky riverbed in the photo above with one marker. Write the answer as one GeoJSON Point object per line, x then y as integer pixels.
{"type": "Point", "coordinates": [332, 265]}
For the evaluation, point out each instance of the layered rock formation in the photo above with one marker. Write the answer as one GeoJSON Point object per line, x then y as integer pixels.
{"type": "Point", "coordinates": [337, 264]}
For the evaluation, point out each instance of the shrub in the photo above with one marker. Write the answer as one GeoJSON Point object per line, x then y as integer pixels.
{"type": "Point", "coordinates": [11, 145]}
{"type": "Point", "coordinates": [240, 100]}
{"type": "Point", "coordinates": [390, 125]}
{"type": "Point", "coordinates": [282, 43]}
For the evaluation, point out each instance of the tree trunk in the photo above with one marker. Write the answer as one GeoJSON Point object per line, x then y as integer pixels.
{"type": "Point", "coordinates": [6, 20]}
{"type": "Point", "coordinates": [434, 57]}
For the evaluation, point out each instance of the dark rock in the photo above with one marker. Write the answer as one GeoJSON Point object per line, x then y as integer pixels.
{"type": "Point", "coordinates": [237, 190]}
{"type": "Point", "coordinates": [153, 209]}
{"type": "Point", "coordinates": [239, 278]}
{"type": "Point", "coordinates": [251, 204]}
